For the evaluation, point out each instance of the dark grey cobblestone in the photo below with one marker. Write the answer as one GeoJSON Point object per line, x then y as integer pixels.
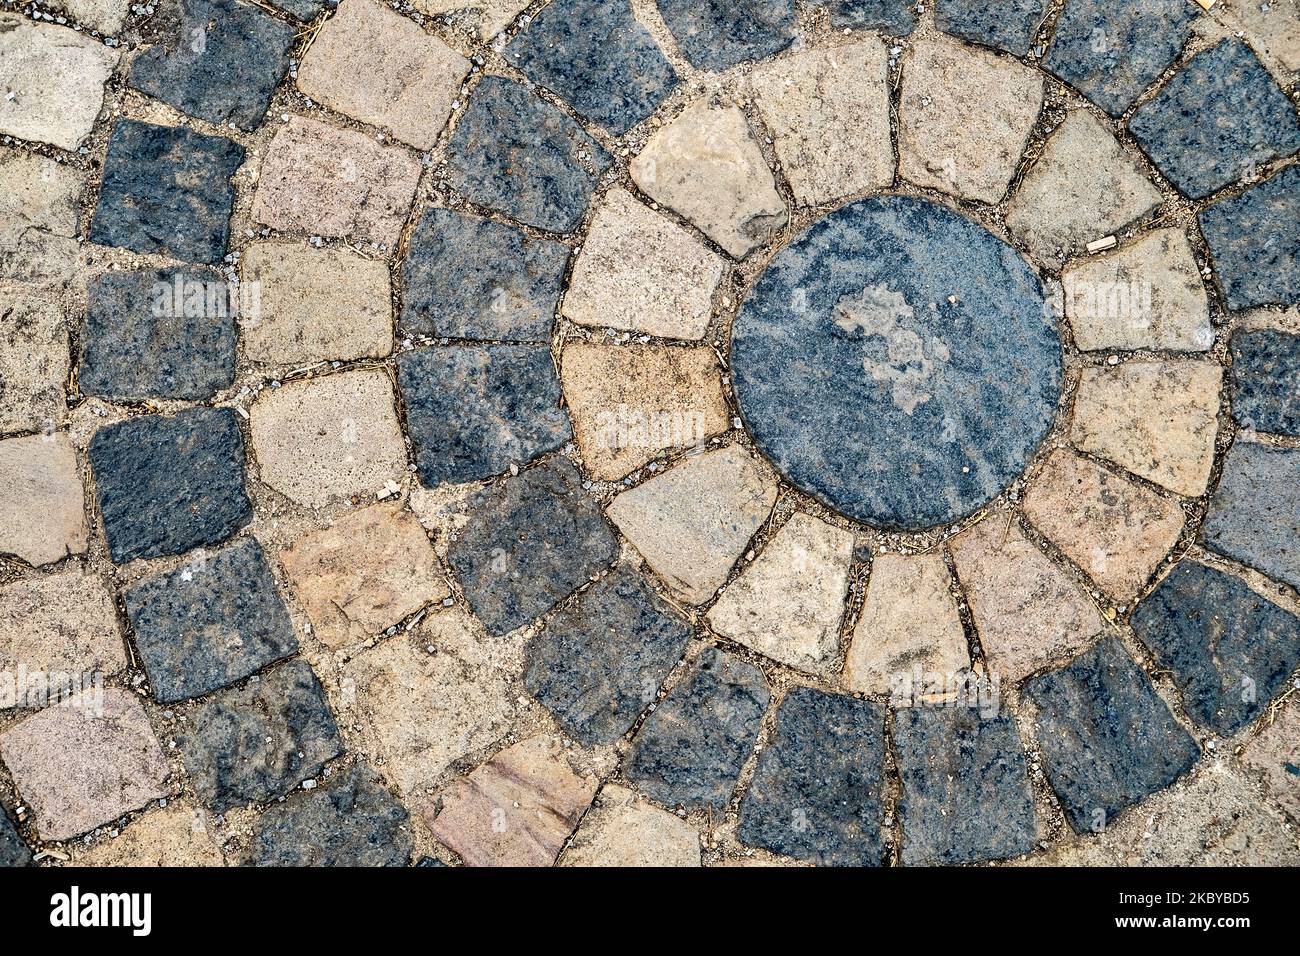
{"type": "Point", "coordinates": [1254, 516]}
{"type": "Point", "coordinates": [1266, 381]}
{"type": "Point", "coordinates": [13, 851]}
{"type": "Point", "coordinates": [1010, 25]}
{"type": "Point", "coordinates": [473, 411]}
{"type": "Point", "coordinates": [894, 17]}
{"type": "Point", "coordinates": [718, 34]}
{"type": "Point", "coordinates": [530, 543]}
{"type": "Point", "coordinates": [304, 10]}
{"type": "Point", "coordinates": [966, 795]}
{"type": "Point", "coordinates": [136, 343]}
{"type": "Point", "coordinates": [599, 664]}
{"type": "Point", "coordinates": [428, 862]}
{"type": "Point", "coordinates": [1107, 738]}
{"type": "Point", "coordinates": [816, 793]}
{"type": "Point", "coordinates": [210, 623]}
{"type": "Point", "coordinates": [691, 749]}
{"type": "Point", "coordinates": [254, 743]}
{"type": "Point", "coordinates": [1230, 650]}
{"type": "Point", "coordinates": [166, 485]}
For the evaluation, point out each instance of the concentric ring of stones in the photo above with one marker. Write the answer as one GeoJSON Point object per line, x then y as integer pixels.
{"type": "Point", "coordinates": [373, 478]}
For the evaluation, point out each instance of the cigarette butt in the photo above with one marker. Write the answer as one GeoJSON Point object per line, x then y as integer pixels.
{"type": "Point", "coordinates": [1100, 245]}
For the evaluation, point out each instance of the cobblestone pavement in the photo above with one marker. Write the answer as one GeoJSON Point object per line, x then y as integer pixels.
{"type": "Point", "coordinates": [687, 433]}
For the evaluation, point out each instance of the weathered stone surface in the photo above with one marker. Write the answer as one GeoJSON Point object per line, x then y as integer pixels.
{"type": "Point", "coordinates": [166, 485]}
{"type": "Point", "coordinates": [175, 835]}
{"type": "Point", "coordinates": [1271, 27]}
{"type": "Point", "coordinates": [351, 821]}
{"type": "Point", "coordinates": [167, 190]}
{"type": "Point", "coordinates": [909, 620]}
{"type": "Point", "coordinates": [624, 830]}
{"type": "Point", "coordinates": [1243, 121]}
{"type": "Point", "coordinates": [515, 810]}
{"type": "Point", "coordinates": [219, 60]}
{"type": "Point", "coordinates": [211, 623]}
{"type": "Point", "coordinates": [788, 603]}
{"type": "Point", "coordinates": [1106, 738]}
{"type": "Point", "coordinates": [632, 403]}
{"type": "Point", "coordinates": [487, 18]}
{"type": "Point", "coordinates": [471, 278]}
{"type": "Point", "coordinates": [517, 154]}
{"type": "Point", "coordinates": [706, 166]}
{"type": "Point", "coordinates": [331, 437]}
{"type": "Point", "coordinates": [964, 119]}
{"type": "Point", "coordinates": [366, 572]}
{"type": "Point", "coordinates": [615, 76]}
{"type": "Point", "coordinates": [1114, 529]}
{"type": "Point", "coordinates": [1275, 756]}
{"type": "Point", "coordinates": [1265, 385]}
{"type": "Point", "coordinates": [895, 17]}
{"type": "Point", "coordinates": [600, 663]}
{"type": "Point", "coordinates": [34, 362]}
{"type": "Point", "coordinates": [1148, 295]}
{"type": "Point", "coordinates": [693, 522]}
{"type": "Point", "coordinates": [85, 763]}
{"type": "Point", "coordinates": [1156, 418]}
{"type": "Point", "coordinates": [1027, 611]}
{"type": "Point", "coordinates": [164, 333]}
{"type": "Point", "coordinates": [1111, 53]}
{"type": "Point", "coordinates": [639, 271]}
{"type": "Point", "coordinates": [1254, 516]}
{"type": "Point", "coordinates": [1254, 243]}
{"type": "Point", "coordinates": [528, 544]}
{"type": "Point", "coordinates": [254, 743]}
{"type": "Point", "coordinates": [828, 111]}
{"type": "Point", "coordinates": [816, 795]}
{"type": "Point", "coordinates": [13, 851]}
{"type": "Point", "coordinates": [1010, 26]}
{"type": "Point", "coordinates": [690, 750]}
{"type": "Point", "coordinates": [1083, 187]}
{"type": "Point", "coordinates": [324, 181]}
{"type": "Point", "coordinates": [42, 503]}
{"type": "Point", "coordinates": [473, 411]}
{"type": "Point", "coordinates": [54, 80]}
{"type": "Point", "coordinates": [314, 305]}
{"type": "Point", "coordinates": [61, 630]}
{"type": "Point", "coordinates": [38, 218]}
{"type": "Point", "coordinates": [377, 66]}
{"type": "Point", "coordinates": [429, 699]}
{"type": "Point", "coordinates": [966, 795]}
{"type": "Point", "coordinates": [908, 312]}
{"type": "Point", "coordinates": [306, 10]}
{"type": "Point", "coordinates": [1229, 649]}
{"type": "Point", "coordinates": [105, 16]}
{"type": "Point", "coordinates": [717, 34]}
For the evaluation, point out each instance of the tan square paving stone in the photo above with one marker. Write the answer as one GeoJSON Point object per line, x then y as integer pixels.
{"type": "Point", "coordinates": [639, 271]}
{"type": "Point", "coordinates": [1157, 419]}
{"type": "Point", "coordinates": [378, 67]}
{"type": "Point", "coordinates": [34, 362]}
{"type": "Point", "coordinates": [38, 218]}
{"type": "Point", "coordinates": [631, 403]}
{"type": "Point", "coordinates": [327, 438]}
{"type": "Point", "coordinates": [42, 502]}
{"type": "Point", "coordinates": [624, 829]}
{"type": "Point", "coordinates": [174, 835]}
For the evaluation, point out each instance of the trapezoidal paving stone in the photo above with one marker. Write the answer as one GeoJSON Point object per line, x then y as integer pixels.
{"type": "Point", "coordinates": [1009, 26]}
{"type": "Point", "coordinates": [1254, 243]}
{"type": "Point", "coordinates": [1266, 381]}
{"type": "Point", "coordinates": [718, 34]}
{"type": "Point", "coordinates": [1254, 516]}
{"type": "Point", "coordinates": [897, 361]}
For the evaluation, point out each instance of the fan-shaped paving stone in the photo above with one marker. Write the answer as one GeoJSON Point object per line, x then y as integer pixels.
{"type": "Point", "coordinates": [1219, 119]}
{"type": "Point", "coordinates": [895, 17]}
{"type": "Point", "coordinates": [165, 333]}
{"type": "Point", "coordinates": [615, 76]}
{"type": "Point", "coordinates": [1254, 243]}
{"type": "Point", "coordinates": [42, 503]}
{"type": "Point", "coordinates": [351, 821]}
{"type": "Point", "coordinates": [471, 278]}
{"type": "Point", "coordinates": [1113, 52]}
{"type": "Point", "coordinates": [1229, 649]}
{"type": "Point", "coordinates": [474, 411]}
{"type": "Point", "coordinates": [211, 623]}
{"type": "Point", "coordinates": [966, 793]}
{"type": "Point", "coordinates": [13, 851]}
{"type": "Point", "coordinates": [1265, 384]}
{"type": "Point", "coordinates": [167, 190]}
{"type": "Point", "coordinates": [623, 829]}
{"type": "Point", "coordinates": [219, 60]}
{"type": "Point", "coordinates": [1254, 516]}
{"type": "Point", "coordinates": [254, 743]}
{"type": "Point", "coordinates": [690, 750]}
{"type": "Point", "coordinates": [1275, 756]}
{"type": "Point", "coordinates": [166, 485]}
{"type": "Point", "coordinates": [1010, 26]}
{"type": "Point", "coordinates": [816, 794]}
{"type": "Point", "coordinates": [528, 544]}
{"type": "Point", "coordinates": [599, 664]}
{"type": "Point", "coordinates": [34, 362]}
{"type": "Point", "coordinates": [1106, 738]}
{"type": "Point", "coordinates": [38, 218]}
{"type": "Point", "coordinates": [519, 155]}
{"type": "Point", "coordinates": [717, 34]}
{"type": "Point", "coordinates": [373, 64]}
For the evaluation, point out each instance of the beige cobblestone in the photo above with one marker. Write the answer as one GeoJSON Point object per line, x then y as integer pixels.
{"type": "Point", "coordinates": [624, 829]}
{"type": "Point", "coordinates": [42, 503]}
{"type": "Point", "coordinates": [34, 362]}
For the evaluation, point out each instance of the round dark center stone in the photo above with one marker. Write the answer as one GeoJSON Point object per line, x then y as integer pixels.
{"type": "Point", "coordinates": [898, 361]}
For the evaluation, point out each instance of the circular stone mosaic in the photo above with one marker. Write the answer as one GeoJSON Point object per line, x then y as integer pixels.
{"type": "Point", "coordinates": [898, 361]}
